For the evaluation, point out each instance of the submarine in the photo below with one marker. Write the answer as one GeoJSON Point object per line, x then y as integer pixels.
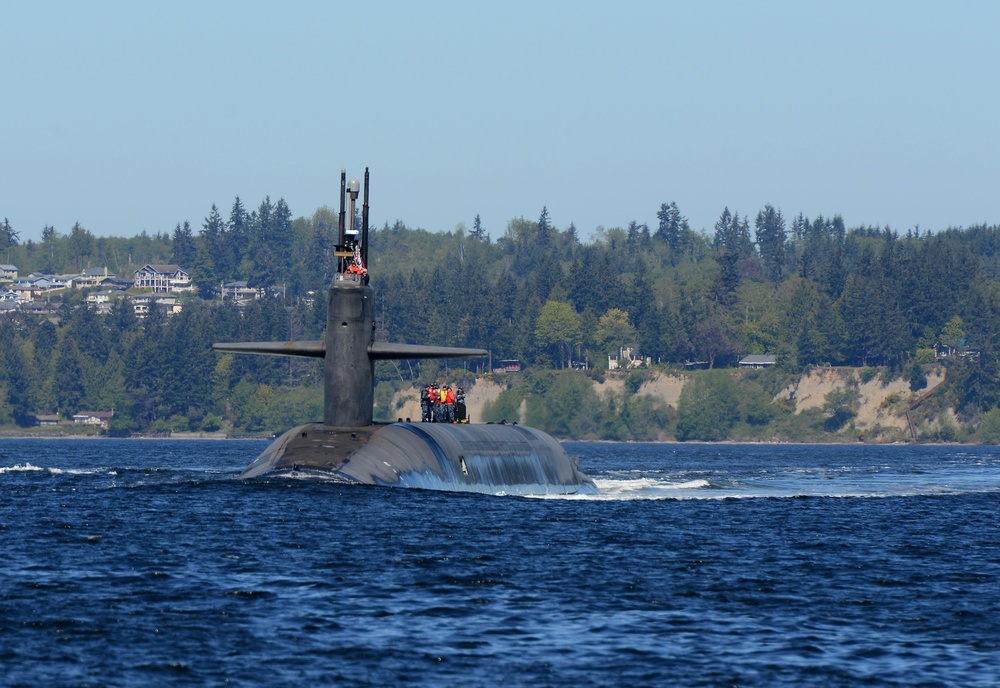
{"type": "Point", "coordinates": [348, 446]}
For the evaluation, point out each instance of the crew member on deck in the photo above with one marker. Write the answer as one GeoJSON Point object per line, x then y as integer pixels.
{"type": "Point", "coordinates": [425, 404]}
{"type": "Point", "coordinates": [460, 416]}
{"type": "Point", "coordinates": [449, 404]}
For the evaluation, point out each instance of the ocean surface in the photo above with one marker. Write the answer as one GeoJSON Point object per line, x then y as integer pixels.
{"type": "Point", "coordinates": [135, 563]}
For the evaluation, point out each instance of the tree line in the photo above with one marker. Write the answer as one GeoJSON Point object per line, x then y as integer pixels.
{"type": "Point", "coordinates": [811, 291]}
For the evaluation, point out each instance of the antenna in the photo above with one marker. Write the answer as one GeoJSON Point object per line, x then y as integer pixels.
{"type": "Point", "coordinates": [364, 224]}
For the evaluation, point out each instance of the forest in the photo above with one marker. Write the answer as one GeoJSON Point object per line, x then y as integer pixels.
{"type": "Point", "coordinates": [811, 291]}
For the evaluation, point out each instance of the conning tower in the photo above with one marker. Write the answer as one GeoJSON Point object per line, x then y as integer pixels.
{"type": "Point", "coordinates": [348, 446]}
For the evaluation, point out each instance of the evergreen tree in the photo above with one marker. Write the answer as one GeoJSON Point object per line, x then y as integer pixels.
{"type": "Point", "coordinates": [770, 226]}
{"type": "Point", "coordinates": [544, 230]}
{"type": "Point", "coordinates": [238, 237]}
{"type": "Point", "coordinates": [212, 265]}
{"type": "Point", "coordinates": [80, 246]}
{"type": "Point", "coordinates": [477, 229]}
{"type": "Point", "coordinates": [672, 227]}
{"type": "Point", "coordinates": [50, 245]}
{"type": "Point", "coordinates": [8, 238]}
{"type": "Point", "coordinates": [69, 378]}
{"type": "Point", "coordinates": [183, 246]}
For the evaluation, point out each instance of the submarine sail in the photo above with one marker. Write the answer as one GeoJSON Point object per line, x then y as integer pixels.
{"type": "Point", "coordinates": [349, 446]}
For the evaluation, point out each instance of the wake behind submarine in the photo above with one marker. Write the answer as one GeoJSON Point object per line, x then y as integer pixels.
{"type": "Point", "coordinates": [349, 446]}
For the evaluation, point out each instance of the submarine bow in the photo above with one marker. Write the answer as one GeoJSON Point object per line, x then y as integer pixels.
{"type": "Point", "coordinates": [349, 446]}
{"type": "Point", "coordinates": [491, 459]}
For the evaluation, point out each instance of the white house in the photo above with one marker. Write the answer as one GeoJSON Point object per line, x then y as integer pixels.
{"type": "Point", "coordinates": [162, 278]}
{"type": "Point", "coordinates": [757, 361]}
{"type": "Point", "coordinates": [105, 296]}
{"type": "Point", "coordinates": [628, 358]}
{"type": "Point", "coordinates": [100, 418]}
{"type": "Point", "coordinates": [146, 302]}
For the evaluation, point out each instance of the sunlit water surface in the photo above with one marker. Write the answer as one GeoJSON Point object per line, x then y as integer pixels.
{"type": "Point", "coordinates": [127, 563]}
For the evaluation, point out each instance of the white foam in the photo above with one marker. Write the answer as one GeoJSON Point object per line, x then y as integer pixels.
{"type": "Point", "coordinates": [620, 489]}
{"type": "Point", "coordinates": [640, 484]}
{"type": "Point", "coordinates": [27, 467]}
{"type": "Point", "coordinates": [20, 468]}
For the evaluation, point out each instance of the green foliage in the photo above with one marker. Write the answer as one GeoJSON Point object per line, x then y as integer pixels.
{"type": "Point", "coordinates": [634, 380]}
{"type": "Point", "coordinates": [507, 407]}
{"type": "Point", "coordinates": [953, 334]}
{"type": "Point", "coordinates": [385, 391]}
{"type": "Point", "coordinates": [755, 405]}
{"type": "Point", "coordinates": [558, 328]}
{"type": "Point", "coordinates": [811, 291]}
{"type": "Point", "coordinates": [211, 423]}
{"type": "Point", "coordinates": [918, 380]}
{"type": "Point", "coordinates": [614, 331]}
{"type": "Point", "coordinates": [708, 407]}
{"type": "Point", "coordinates": [841, 405]}
{"type": "Point", "coordinates": [989, 429]}
{"type": "Point", "coordinates": [567, 408]}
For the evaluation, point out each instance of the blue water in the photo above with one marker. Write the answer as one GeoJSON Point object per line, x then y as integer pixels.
{"type": "Point", "coordinates": [134, 563]}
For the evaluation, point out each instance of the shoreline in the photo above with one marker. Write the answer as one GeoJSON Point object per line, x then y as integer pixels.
{"type": "Point", "coordinates": [222, 437]}
{"type": "Point", "coordinates": [185, 437]}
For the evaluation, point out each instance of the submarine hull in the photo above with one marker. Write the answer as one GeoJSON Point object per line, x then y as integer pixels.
{"type": "Point", "coordinates": [490, 459]}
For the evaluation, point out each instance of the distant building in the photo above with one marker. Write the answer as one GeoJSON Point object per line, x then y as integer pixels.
{"type": "Point", "coordinates": [92, 277]}
{"type": "Point", "coordinates": [101, 418]}
{"type": "Point", "coordinates": [25, 292]}
{"type": "Point", "coordinates": [239, 291]}
{"type": "Point", "coordinates": [8, 273]}
{"type": "Point", "coordinates": [628, 358]}
{"type": "Point", "coordinates": [122, 283]}
{"type": "Point", "coordinates": [144, 303]}
{"type": "Point", "coordinates": [757, 361]}
{"type": "Point", "coordinates": [162, 278]}
{"type": "Point", "coordinates": [510, 365]}
{"type": "Point", "coordinates": [42, 283]}
{"type": "Point", "coordinates": [105, 296]}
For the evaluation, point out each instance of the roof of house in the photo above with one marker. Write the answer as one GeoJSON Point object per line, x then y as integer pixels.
{"type": "Point", "coordinates": [757, 358]}
{"type": "Point", "coordinates": [162, 269]}
{"type": "Point", "coordinates": [94, 414]}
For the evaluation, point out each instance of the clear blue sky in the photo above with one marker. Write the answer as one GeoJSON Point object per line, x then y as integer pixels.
{"type": "Point", "coordinates": [133, 116]}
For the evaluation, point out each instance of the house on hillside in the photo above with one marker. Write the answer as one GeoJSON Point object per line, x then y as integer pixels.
{"type": "Point", "coordinates": [144, 303]}
{"type": "Point", "coordinates": [100, 418]}
{"type": "Point", "coordinates": [92, 277]}
{"type": "Point", "coordinates": [757, 361]}
{"type": "Point", "coordinates": [239, 291]}
{"type": "Point", "coordinates": [25, 292]}
{"type": "Point", "coordinates": [8, 273]}
{"type": "Point", "coordinates": [162, 278]}
{"type": "Point", "coordinates": [508, 365]}
{"type": "Point", "coordinates": [105, 296]}
{"type": "Point", "coordinates": [627, 357]}
{"type": "Point", "coordinates": [42, 283]}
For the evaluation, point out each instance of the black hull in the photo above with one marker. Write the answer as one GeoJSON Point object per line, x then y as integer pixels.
{"type": "Point", "coordinates": [491, 459]}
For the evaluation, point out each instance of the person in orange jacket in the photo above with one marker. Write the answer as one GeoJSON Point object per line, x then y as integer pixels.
{"type": "Point", "coordinates": [449, 405]}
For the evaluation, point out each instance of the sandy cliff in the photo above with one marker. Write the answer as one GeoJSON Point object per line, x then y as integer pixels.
{"type": "Point", "coordinates": [882, 407]}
